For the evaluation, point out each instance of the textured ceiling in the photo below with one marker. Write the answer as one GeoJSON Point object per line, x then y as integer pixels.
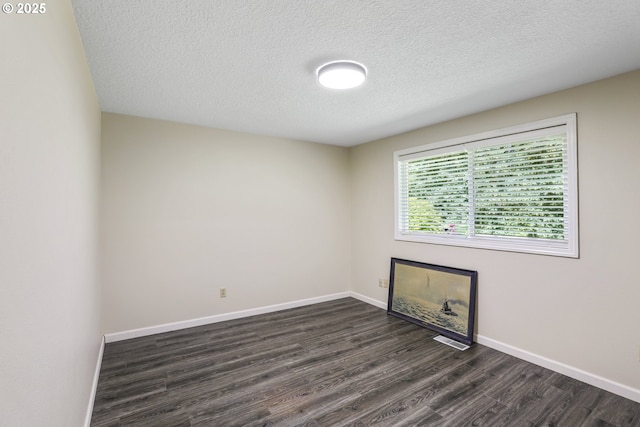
{"type": "Point", "coordinates": [249, 65]}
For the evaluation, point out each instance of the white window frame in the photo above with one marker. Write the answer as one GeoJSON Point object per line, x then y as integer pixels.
{"type": "Point", "coordinates": [568, 247]}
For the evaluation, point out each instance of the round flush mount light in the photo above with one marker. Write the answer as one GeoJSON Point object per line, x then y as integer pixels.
{"type": "Point", "coordinates": [341, 74]}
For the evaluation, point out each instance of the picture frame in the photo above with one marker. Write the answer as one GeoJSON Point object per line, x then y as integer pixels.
{"type": "Point", "coordinates": [442, 299]}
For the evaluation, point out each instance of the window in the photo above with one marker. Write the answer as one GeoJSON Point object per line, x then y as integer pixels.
{"type": "Point", "coordinates": [513, 189]}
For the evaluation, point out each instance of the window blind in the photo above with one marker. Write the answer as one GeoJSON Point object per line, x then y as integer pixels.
{"type": "Point", "coordinates": [514, 189]}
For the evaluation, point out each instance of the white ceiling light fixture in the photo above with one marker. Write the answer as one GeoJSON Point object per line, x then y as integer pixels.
{"type": "Point", "coordinates": [341, 74]}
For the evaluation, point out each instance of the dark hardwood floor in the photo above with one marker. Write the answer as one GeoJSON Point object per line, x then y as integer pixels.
{"type": "Point", "coordinates": [339, 363]}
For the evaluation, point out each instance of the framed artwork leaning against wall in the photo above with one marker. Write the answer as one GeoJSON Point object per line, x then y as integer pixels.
{"type": "Point", "coordinates": [439, 298]}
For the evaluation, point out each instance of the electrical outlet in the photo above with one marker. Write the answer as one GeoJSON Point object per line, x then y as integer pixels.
{"type": "Point", "coordinates": [223, 292]}
{"type": "Point", "coordinates": [383, 283]}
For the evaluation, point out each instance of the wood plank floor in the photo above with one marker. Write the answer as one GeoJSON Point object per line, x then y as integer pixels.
{"type": "Point", "coordinates": [339, 363]}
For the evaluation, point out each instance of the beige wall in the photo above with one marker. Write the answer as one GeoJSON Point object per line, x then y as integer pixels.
{"type": "Point", "coordinates": [580, 312]}
{"type": "Point", "coordinates": [49, 295]}
{"type": "Point", "coordinates": [187, 210]}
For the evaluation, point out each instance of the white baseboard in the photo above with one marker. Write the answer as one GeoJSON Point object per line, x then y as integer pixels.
{"type": "Point", "coordinates": [168, 327]}
{"type": "Point", "coordinates": [561, 368]}
{"type": "Point", "coordinates": [368, 300]}
{"type": "Point", "coordinates": [94, 386]}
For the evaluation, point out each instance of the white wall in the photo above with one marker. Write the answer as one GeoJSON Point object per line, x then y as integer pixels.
{"type": "Point", "coordinates": [579, 312]}
{"type": "Point", "coordinates": [49, 158]}
{"type": "Point", "coordinates": [187, 210]}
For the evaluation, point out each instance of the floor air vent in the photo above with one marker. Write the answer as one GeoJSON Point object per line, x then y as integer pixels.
{"type": "Point", "coordinates": [452, 343]}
